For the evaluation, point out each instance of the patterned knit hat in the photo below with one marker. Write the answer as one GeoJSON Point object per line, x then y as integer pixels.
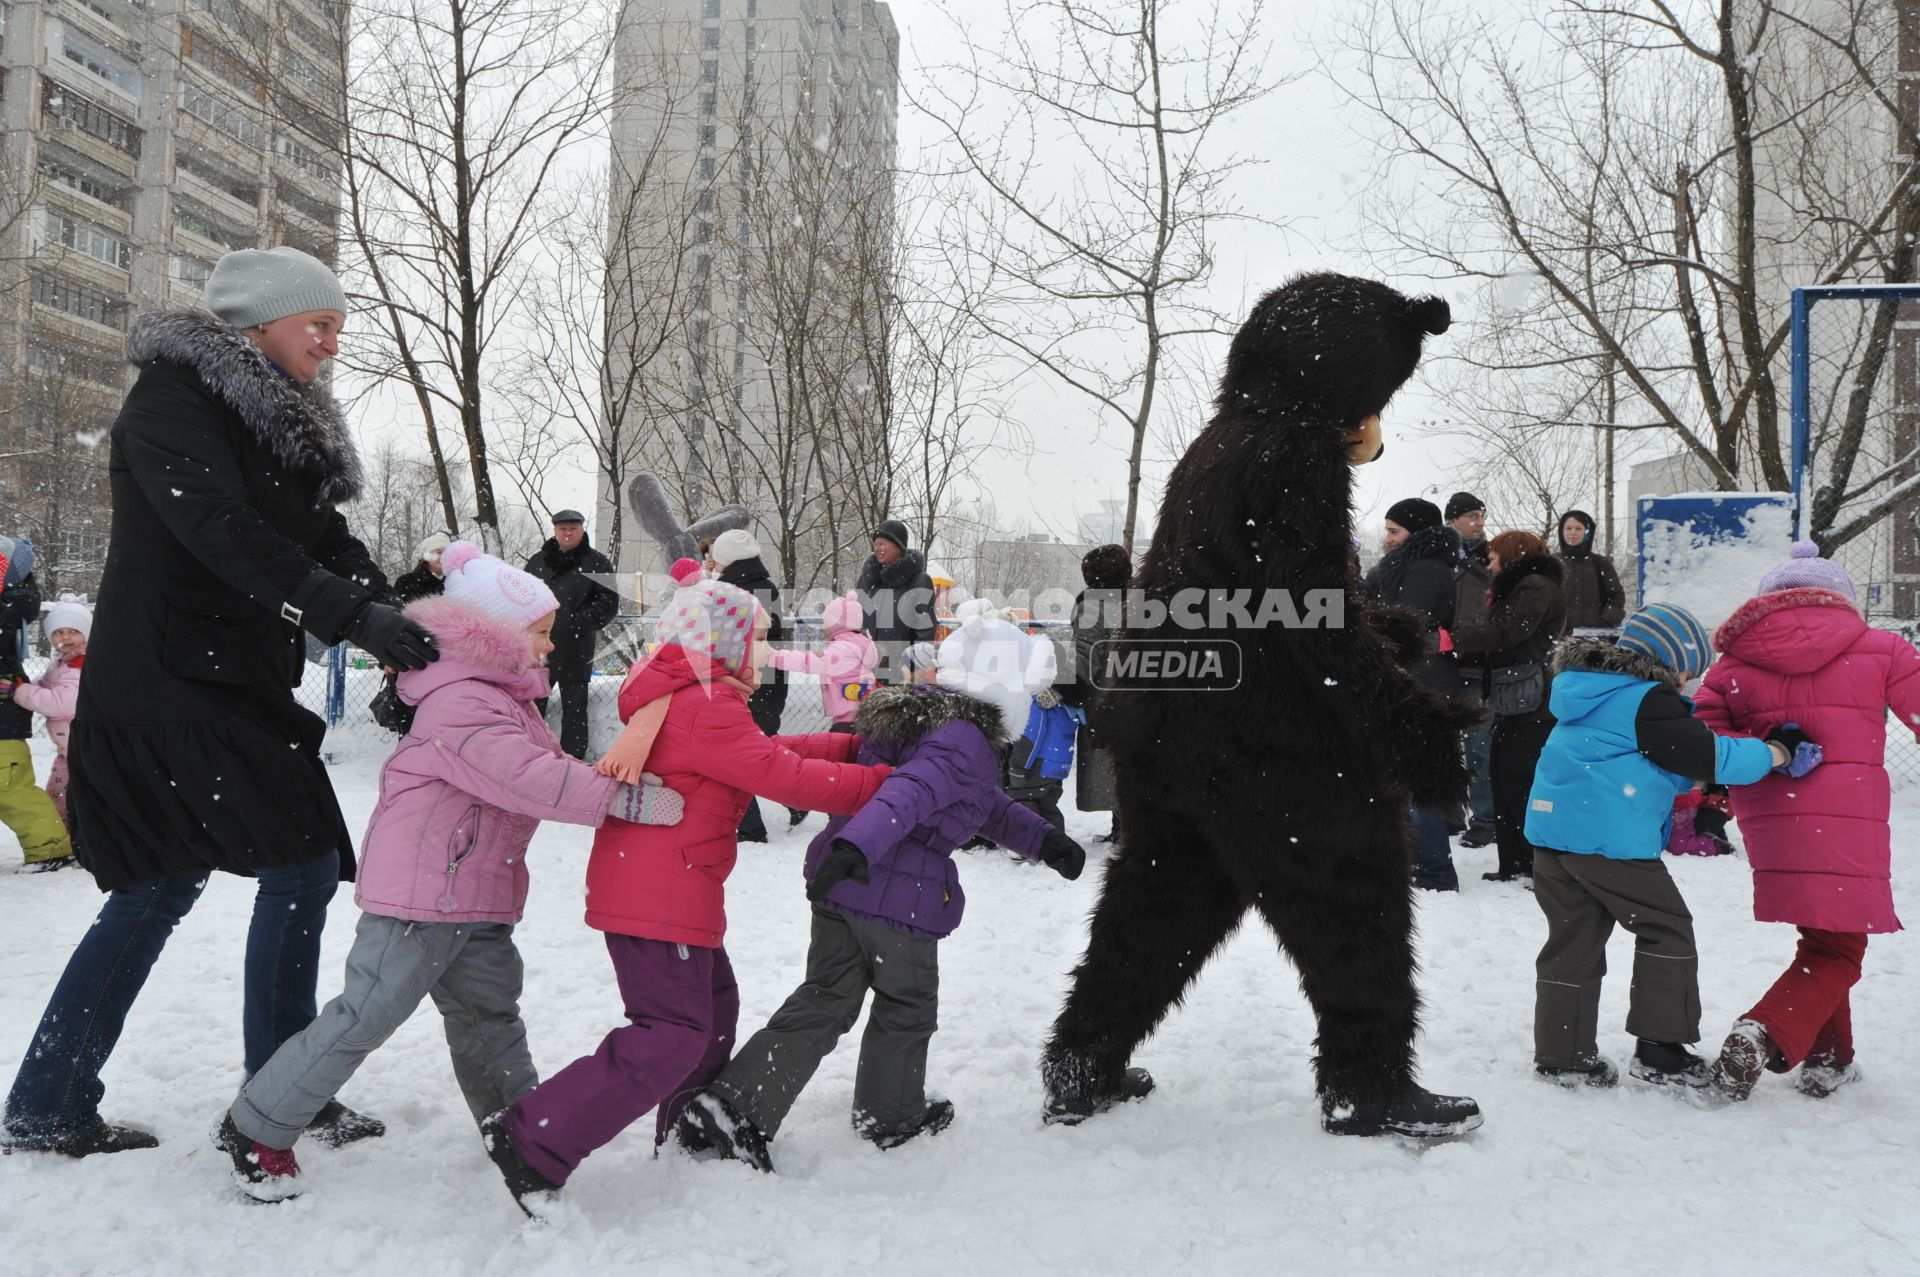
{"type": "Point", "coordinates": [1670, 635]}
{"type": "Point", "coordinates": [492, 588]}
{"type": "Point", "coordinates": [714, 620]}
{"type": "Point", "coordinates": [1807, 569]}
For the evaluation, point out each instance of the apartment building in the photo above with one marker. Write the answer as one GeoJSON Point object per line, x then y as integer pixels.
{"type": "Point", "coordinates": [750, 284]}
{"type": "Point", "coordinates": [142, 139]}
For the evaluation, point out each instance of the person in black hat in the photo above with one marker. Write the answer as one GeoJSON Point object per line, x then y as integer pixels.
{"type": "Point", "coordinates": [896, 598]}
{"type": "Point", "coordinates": [568, 564]}
{"type": "Point", "coordinates": [1473, 583]}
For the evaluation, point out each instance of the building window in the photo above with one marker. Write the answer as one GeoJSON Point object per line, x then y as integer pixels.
{"type": "Point", "coordinates": [708, 134]}
{"type": "Point", "coordinates": [703, 232]}
{"type": "Point", "coordinates": [82, 300]}
{"type": "Point", "coordinates": [190, 160]}
{"type": "Point", "coordinates": [86, 238]}
{"type": "Point", "coordinates": [190, 271]}
{"type": "Point", "coordinates": [304, 158]}
{"type": "Point", "coordinates": [89, 182]}
{"type": "Point", "coordinates": [707, 166]}
{"type": "Point", "coordinates": [710, 38]}
{"type": "Point", "coordinates": [225, 65]}
{"type": "Point", "coordinates": [189, 216]}
{"type": "Point", "coordinates": [710, 71]}
{"type": "Point", "coordinates": [301, 202]}
{"type": "Point", "coordinates": [713, 8]}
{"type": "Point", "coordinates": [210, 108]}
{"type": "Point", "coordinates": [703, 203]}
{"type": "Point", "coordinates": [67, 361]}
{"type": "Point", "coordinates": [72, 110]}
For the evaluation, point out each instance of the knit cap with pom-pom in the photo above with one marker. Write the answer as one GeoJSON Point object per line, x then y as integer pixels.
{"type": "Point", "coordinates": [686, 571]}
{"type": "Point", "coordinates": [70, 613]}
{"type": "Point", "coordinates": [1805, 569]}
{"type": "Point", "coordinates": [477, 580]}
{"type": "Point", "coordinates": [714, 621]}
{"type": "Point", "coordinates": [841, 614]}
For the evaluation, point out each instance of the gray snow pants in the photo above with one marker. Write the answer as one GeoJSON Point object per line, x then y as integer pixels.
{"type": "Point", "coordinates": [473, 973]}
{"type": "Point", "coordinates": [845, 958]}
{"type": "Point", "coordinates": [1583, 896]}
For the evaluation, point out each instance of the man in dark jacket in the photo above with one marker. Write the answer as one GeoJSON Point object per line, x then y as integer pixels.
{"type": "Point", "coordinates": [896, 598]}
{"type": "Point", "coordinates": [25, 807]}
{"type": "Point", "coordinates": [1417, 573]}
{"type": "Point", "coordinates": [737, 555]}
{"type": "Point", "coordinates": [424, 580]}
{"type": "Point", "coordinates": [568, 564]}
{"type": "Point", "coordinates": [1594, 597]}
{"type": "Point", "coordinates": [1473, 583]}
{"type": "Point", "coordinates": [189, 751]}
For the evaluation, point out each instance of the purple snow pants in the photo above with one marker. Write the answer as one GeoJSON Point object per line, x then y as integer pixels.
{"type": "Point", "coordinates": [682, 1005]}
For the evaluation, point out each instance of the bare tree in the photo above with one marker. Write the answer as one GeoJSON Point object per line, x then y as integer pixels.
{"type": "Point", "coordinates": [1091, 132]}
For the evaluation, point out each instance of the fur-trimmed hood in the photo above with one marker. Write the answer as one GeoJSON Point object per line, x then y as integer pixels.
{"type": "Point", "coordinates": [1511, 574]}
{"type": "Point", "coordinates": [1793, 631]}
{"type": "Point", "coordinates": [902, 574]}
{"type": "Point", "coordinates": [302, 426]}
{"type": "Point", "coordinates": [1603, 656]}
{"type": "Point", "coordinates": [472, 645]}
{"type": "Point", "coordinates": [901, 715]}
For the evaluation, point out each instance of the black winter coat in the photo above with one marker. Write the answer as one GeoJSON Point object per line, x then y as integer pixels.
{"type": "Point", "coordinates": [903, 612]}
{"type": "Point", "coordinates": [19, 605]}
{"type": "Point", "coordinates": [769, 700]}
{"type": "Point", "coordinates": [418, 582]}
{"type": "Point", "coordinates": [586, 606]}
{"type": "Point", "coordinates": [189, 751]}
{"type": "Point", "coordinates": [1094, 786]}
{"type": "Point", "coordinates": [1594, 596]}
{"type": "Point", "coordinates": [1419, 574]}
{"type": "Point", "coordinates": [1527, 617]}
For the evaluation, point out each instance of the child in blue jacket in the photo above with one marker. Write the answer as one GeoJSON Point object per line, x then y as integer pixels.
{"type": "Point", "coordinates": [1624, 745]}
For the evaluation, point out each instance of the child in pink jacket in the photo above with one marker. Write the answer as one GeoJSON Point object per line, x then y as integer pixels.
{"type": "Point", "coordinates": [56, 692]}
{"type": "Point", "coordinates": [844, 668]}
{"type": "Point", "coordinates": [1800, 653]}
{"type": "Point", "coordinates": [443, 873]}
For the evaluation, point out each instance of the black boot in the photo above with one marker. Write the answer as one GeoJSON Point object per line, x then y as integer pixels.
{"type": "Point", "coordinates": [720, 1125]}
{"type": "Point", "coordinates": [937, 1118]}
{"type": "Point", "coordinates": [98, 1139]}
{"type": "Point", "coordinates": [527, 1185]}
{"type": "Point", "coordinates": [1416, 1112]}
{"type": "Point", "coordinates": [795, 815]}
{"type": "Point", "coordinates": [1070, 1105]}
{"type": "Point", "coordinates": [1668, 1064]}
{"type": "Point", "coordinates": [1596, 1072]}
{"type": "Point", "coordinates": [337, 1126]}
{"type": "Point", "coordinates": [263, 1174]}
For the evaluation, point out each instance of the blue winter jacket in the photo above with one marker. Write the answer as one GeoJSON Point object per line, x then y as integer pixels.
{"type": "Point", "coordinates": [1624, 745]}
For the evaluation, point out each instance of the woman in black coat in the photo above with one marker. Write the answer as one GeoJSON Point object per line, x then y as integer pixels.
{"type": "Point", "coordinates": [737, 555]}
{"type": "Point", "coordinates": [1527, 616]}
{"type": "Point", "coordinates": [1595, 599]}
{"type": "Point", "coordinates": [189, 751]}
{"type": "Point", "coordinates": [1097, 613]}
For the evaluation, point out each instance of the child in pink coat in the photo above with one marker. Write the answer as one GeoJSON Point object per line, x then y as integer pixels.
{"type": "Point", "coordinates": [844, 668]}
{"type": "Point", "coordinates": [443, 876]}
{"type": "Point", "coordinates": [56, 692]}
{"type": "Point", "coordinates": [1800, 653]}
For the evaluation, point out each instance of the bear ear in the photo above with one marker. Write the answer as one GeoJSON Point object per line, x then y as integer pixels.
{"type": "Point", "coordinates": [1432, 314]}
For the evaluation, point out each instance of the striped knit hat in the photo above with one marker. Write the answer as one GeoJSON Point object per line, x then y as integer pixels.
{"type": "Point", "coordinates": [713, 620]}
{"type": "Point", "coordinates": [1670, 635]}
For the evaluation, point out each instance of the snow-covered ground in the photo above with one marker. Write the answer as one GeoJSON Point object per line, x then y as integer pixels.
{"type": "Point", "coordinates": [1223, 1170]}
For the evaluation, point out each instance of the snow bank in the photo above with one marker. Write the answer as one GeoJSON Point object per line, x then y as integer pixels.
{"type": "Point", "coordinates": [1710, 564]}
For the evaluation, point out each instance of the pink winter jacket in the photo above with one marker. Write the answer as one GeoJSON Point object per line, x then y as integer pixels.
{"type": "Point", "coordinates": [54, 695]}
{"type": "Point", "coordinates": [464, 790]}
{"type": "Point", "coordinates": [845, 670]}
{"type": "Point", "coordinates": [1819, 846]}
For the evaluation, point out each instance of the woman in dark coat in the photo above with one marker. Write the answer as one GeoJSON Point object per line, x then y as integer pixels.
{"type": "Point", "coordinates": [1527, 616]}
{"type": "Point", "coordinates": [1417, 573]}
{"type": "Point", "coordinates": [189, 751]}
{"type": "Point", "coordinates": [1594, 597]}
{"type": "Point", "coordinates": [1096, 616]}
{"type": "Point", "coordinates": [737, 556]}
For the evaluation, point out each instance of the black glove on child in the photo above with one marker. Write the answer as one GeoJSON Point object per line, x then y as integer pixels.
{"type": "Point", "coordinates": [391, 638]}
{"type": "Point", "coordinates": [1789, 736]}
{"type": "Point", "coordinates": [1710, 821]}
{"type": "Point", "coordinates": [844, 861]}
{"type": "Point", "coordinates": [1063, 855]}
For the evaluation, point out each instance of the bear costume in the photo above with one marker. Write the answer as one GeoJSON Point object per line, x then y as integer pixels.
{"type": "Point", "coordinates": [1288, 793]}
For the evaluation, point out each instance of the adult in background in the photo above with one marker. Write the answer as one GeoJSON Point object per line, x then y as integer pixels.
{"type": "Point", "coordinates": [421, 581]}
{"type": "Point", "coordinates": [896, 599]}
{"type": "Point", "coordinates": [189, 752]}
{"type": "Point", "coordinates": [1096, 614]}
{"type": "Point", "coordinates": [1467, 515]}
{"type": "Point", "coordinates": [567, 563]}
{"type": "Point", "coordinates": [25, 808]}
{"type": "Point", "coordinates": [736, 555]}
{"type": "Point", "coordinates": [1594, 597]}
{"type": "Point", "coordinates": [1417, 573]}
{"type": "Point", "coordinates": [1527, 616]}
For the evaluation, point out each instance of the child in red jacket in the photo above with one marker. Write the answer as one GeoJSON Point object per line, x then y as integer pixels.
{"type": "Point", "coordinates": [659, 893]}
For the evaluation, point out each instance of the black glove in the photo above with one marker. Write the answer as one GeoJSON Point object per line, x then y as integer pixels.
{"type": "Point", "coordinates": [391, 638]}
{"type": "Point", "coordinates": [1790, 737]}
{"type": "Point", "coordinates": [844, 861]}
{"type": "Point", "coordinates": [1063, 855]}
{"type": "Point", "coordinates": [1710, 821]}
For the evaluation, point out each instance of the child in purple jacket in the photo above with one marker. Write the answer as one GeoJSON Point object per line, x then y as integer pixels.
{"type": "Point", "coordinates": [443, 874]}
{"type": "Point", "coordinates": [885, 891]}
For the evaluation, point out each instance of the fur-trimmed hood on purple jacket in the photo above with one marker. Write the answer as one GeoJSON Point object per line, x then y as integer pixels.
{"type": "Point", "coordinates": [945, 788]}
{"type": "Point", "coordinates": [466, 787]}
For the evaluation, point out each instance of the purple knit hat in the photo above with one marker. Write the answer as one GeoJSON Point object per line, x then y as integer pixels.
{"type": "Point", "coordinates": [1807, 570]}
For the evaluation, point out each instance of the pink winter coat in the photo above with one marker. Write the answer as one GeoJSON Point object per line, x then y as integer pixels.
{"type": "Point", "coordinates": [665, 882]}
{"type": "Point", "coordinates": [1819, 846]}
{"type": "Point", "coordinates": [54, 695]}
{"type": "Point", "coordinates": [845, 668]}
{"type": "Point", "coordinates": [466, 787]}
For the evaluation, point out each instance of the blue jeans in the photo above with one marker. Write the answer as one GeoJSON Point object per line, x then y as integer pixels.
{"type": "Point", "coordinates": [1478, 743]}
{"type": "Point", "coordinates": [1432, 852]}
{"type": "Point", "coordinates": [56, 1095]}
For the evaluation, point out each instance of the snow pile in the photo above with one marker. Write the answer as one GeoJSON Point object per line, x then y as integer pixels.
{"type": "Point", "coordinates": [1710, 572]}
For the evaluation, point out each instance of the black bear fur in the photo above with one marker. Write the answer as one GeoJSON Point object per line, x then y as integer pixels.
{"type": "Point", "coordinates": [1288, 794]}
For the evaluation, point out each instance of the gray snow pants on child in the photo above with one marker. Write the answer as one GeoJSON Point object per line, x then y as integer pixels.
{"type": "Point", "coordinates": [845, 958]}
{"type": "Point", "coordinates": [473, 973]}
{"type": "Point", "coordinates": [1583, 896]}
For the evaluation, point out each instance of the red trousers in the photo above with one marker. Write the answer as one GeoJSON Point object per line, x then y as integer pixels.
{"type": "Point", "coordinates": [1806, 1012]}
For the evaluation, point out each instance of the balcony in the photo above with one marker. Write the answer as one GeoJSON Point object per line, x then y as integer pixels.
{"type": "Point", "coordinates": [216, 200]}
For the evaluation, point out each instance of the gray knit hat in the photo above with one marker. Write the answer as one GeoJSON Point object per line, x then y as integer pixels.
{"type": "Point", "coordinates": [257, 286]}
